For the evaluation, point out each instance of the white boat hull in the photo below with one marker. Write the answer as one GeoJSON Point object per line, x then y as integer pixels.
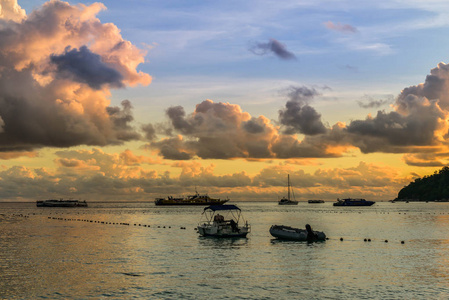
{"type": "Point", "coordinates": [293, 234]}
{"type": "Point", "coordinates": [219, 230]}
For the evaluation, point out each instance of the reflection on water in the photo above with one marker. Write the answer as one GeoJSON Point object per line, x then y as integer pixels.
{"type": "Point", "coordinates": [79, 254]}
{"type": "Point", "coordinates": [219, 243]}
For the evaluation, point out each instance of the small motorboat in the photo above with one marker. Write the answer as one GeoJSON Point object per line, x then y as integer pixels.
{"type": "Point", "coordinates": [223, 221]}
{"type": "Point", "coordinates": [295, 234]}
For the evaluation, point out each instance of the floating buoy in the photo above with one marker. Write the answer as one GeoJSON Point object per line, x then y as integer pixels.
{"type": "Point", "coordinates": [341, 239]}
{"type": "Point", "coordinates": [386, 241]}
{"type": "Point", "coordinates": [402, 242]}
{"type": "Point", "coordinates": [369, 240]}
{"type": "Point", "coordinates": [365, 240]}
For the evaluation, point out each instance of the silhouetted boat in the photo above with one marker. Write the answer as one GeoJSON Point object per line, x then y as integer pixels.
{"type": "Point", "coordinates": [214, 224]}
{"type": "Point", "coordinates": [196, 199]}
{"type": "Point", "coordinates": [353, 202]}
{"type": "Point", "coordinates": [296, 234]}
{"type": "Point", "coordinates": [315, 201]}
{"type": "Point", "coordinates": [288, 201]}
{"type": "Point", "coordinates": [61, 203]}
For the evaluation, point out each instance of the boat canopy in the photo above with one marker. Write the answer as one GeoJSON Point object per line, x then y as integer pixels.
{"type": "Point", "coordinates": [221, 207]}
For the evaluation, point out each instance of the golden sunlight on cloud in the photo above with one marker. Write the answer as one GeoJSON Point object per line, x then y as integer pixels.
{"type": "Point", "coordinates": [57, 66]}
{"type": "Point", "coordinates": [11, 11]}
{"type": "Point", "coordinates": [116, 176]}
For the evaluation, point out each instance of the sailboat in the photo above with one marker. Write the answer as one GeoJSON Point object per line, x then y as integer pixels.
{"type": "Point", "coordinates": [288, 201]}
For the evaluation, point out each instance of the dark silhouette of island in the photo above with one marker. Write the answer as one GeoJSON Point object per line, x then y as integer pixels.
{"type": "Point", "coordinates": [428, 188]}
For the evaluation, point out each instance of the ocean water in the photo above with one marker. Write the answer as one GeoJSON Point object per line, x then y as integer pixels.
{"type": "Point", "coordinates": [91, 253]}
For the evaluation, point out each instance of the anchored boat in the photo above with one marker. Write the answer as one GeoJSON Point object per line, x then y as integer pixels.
{"type": "Point", "coordinates": [61, 203]}
{"type": "Point", "coordinates": [196, 199]}
{"type": "Point", "coordinates": [288, 201]}
{"type": "Point", "coordinates": [353, 202]}
{"type": "Point", "coordinates": [295, 234]}
{"type": "Point", "coordinates": [223, 221]}
{"type": "Point", "coordinates": [315, 201]}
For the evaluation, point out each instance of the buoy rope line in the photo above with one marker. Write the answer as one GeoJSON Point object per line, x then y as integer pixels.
{"type": "Point", "coordinates": [111, 223]}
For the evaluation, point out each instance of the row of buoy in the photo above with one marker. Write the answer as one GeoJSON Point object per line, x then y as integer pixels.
{"type": "Point", "coordinates": [111, 223]}
{"type": "Point", "coordinates": [19, 215]}
{"type": "Point", "coordinates": [369, 240]}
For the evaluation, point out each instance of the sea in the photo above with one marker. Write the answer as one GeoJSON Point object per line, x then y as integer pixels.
{"type": "Point", "coordinates": [125, 250]}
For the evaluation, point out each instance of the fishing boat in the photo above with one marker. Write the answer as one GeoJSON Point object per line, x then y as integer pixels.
{"type": "Point", "coordinates": [288, 201]}
{"type": "Point", "coordinates": [195, 199]}
{"type": "Point", "coordinates": [283, 232]}
{"type": "Point", "coordinates": [315, 201]}
{"type": "Point", "coordinates": [353, 202]}
{"type": "Point", "coordinates": [61, 203]}
{"type": "Point", "coordinates": [223, 221]}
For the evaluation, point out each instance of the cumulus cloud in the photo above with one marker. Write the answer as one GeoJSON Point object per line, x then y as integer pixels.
{"type": "Point", "coordinates": [272, 46]}
{"type": "Point", "coordinates": [344, 28]}
{"type": "Point", "coordinates": [417, 123]}
{"type": "Point", "coordinates": [419, 119]}
{"type": "Point", "coordinates": [224, 131]}
{"type": "Point", "coordinates": [56, 68]}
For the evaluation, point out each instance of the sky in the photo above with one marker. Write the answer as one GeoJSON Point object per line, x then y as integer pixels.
{"type": "Point", "coordinates": [132, 100]}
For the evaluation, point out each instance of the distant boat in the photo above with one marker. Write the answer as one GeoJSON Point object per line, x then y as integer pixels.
{"type": "Point", "coordinates": [288, 201]}
{"type": "Point", "coordinates": [315, 201]}
{"type": "Point", "coordinates": [353, 202]}
{"type": "Point", "coordinates": [61, 203]}
{"type": "Point", "coordinates": [223, 221]}
{"type": "Point", "coordinates": [283, 232]}
{"type": "Point", "coordinates": [196, 199]}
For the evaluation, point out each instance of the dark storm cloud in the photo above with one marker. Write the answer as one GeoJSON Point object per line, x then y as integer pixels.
{"type": "Point", "coordinates": [272, 46]}
{"type": "Point", "coordinates": [149, 131]}
{"type": "Point", "coordinates": [176, 114]}
{"type": "Point", "coordinates": [172, 148]}
{"type": "Point", "coordinates": [86, 67]}
{"type": "Point", "coordinates": [299, 117]}
{"type": "Point", "coordinates": [252, 126]}
{"type": "Point", "coordinates": [121, 119]}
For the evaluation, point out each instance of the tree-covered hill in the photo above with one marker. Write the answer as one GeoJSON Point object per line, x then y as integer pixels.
{"type": "Point", "coordinates": [429, 188]}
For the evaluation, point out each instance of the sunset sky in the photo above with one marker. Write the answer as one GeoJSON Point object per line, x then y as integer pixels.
{"type": "Point", "coordinates": [137, 99]}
